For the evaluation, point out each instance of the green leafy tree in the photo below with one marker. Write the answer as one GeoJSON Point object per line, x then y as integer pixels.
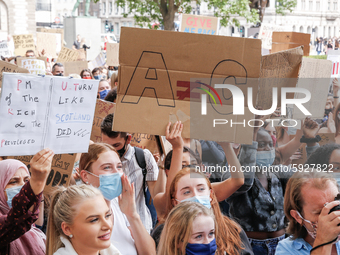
{"type": "Point", "coordinates": [147, 12]}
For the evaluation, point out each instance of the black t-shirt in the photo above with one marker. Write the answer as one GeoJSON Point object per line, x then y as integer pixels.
{"type": "Point", "coordinates": [76, 44]}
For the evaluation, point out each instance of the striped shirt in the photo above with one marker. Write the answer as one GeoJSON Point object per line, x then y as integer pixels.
{"type": "Point", "coordinates": [134, 173]}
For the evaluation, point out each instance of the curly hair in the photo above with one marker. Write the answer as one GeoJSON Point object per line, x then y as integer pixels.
{"type": "Point", "coordinates": [322, 154]}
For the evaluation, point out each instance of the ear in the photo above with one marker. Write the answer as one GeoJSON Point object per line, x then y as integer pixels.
{"type": "Point", "coordinates": [296, 216]}
{"type": "Point", "coordinates": [84, 175]}
{"type": "Point", "coordinates": [128, 140]}
{"type": "Point", "coordinates": [66, 228]}
{"type": "Point", "coordinates": [174, 202]}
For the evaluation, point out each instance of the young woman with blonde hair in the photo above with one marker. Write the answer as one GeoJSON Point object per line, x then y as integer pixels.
{"type": "Point", "coordinates": [190, 227]}
{"type": "Point", "coordinates": [80, 222]}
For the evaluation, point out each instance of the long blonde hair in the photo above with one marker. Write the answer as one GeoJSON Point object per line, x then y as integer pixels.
{"type": "Point", "coordinates": [64, 204]}
{"type": "Point", "coordinates": [228, 231]}
{"type": "Point", "coordinates": [178, 227]}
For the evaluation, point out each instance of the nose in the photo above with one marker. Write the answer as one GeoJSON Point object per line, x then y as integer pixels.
{"type": "Point", "coordinates": [107, 223]}
{"type": "Point", "coordinates": [268, 148]}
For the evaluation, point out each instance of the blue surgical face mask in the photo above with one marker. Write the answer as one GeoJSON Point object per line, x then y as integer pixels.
{"type": "Point", "coordinates": [103, 93]}
{"type": "Point", "coordinates": [203, 200]}
{"type": "Point", "coordinates": [12, 192]}
{"type": "Point", "coordinates": [97, 77]}
{"type": "Point", "coordinates": [265, 158]}
{"type": "Point", "coordinates": [201, 249]}
{"type": "Point", "coordinates": [110, 185]}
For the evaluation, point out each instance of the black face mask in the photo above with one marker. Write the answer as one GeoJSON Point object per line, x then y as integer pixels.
{"type": "Point", "coordinates": [327, 111]}
{"type": "Point", "coordinates": [59, 74]}
{"type": "Point", "coordinates": [122, 151]}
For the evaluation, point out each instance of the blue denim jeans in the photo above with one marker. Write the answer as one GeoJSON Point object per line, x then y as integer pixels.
{"type": "Point", "coordinates": [266, 246]}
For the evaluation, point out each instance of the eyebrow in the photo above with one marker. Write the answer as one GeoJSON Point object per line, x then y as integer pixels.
{"type": "Point", "coordinates": [91, 216]}
{"type": "Point", "coordinates": [187, 187]}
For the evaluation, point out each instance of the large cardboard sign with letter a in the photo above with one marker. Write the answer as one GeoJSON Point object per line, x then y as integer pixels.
{"type": "Point", "coordinates": [156, 68]}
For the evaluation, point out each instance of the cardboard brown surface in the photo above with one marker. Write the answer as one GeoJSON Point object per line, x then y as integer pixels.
{"type": "Point", "coordinates": [315, 77]}
{"type": "Point", "coordinates": [74, 67]}
{"type": "Point", "coordinates": [53, 30]}
{"type": "Point", "coordinates": [47, 42]}
{"type": "Point", "coordinates": [81, 55]}
{"type": "Point", "coordinates": [288, 40]}
{"type": "Point", "coordinates": [67, 55]}
{"type": "Point", "coordinates": [147, 66]}
{"type": "Point", "coordinates": [145, 141]}
{"type": "Point", "coordinates": [22, 43]}
{"type": "Point", "coordinates": [112, 54]}
{"type": "Point", "coordinates": [61, 172]}
{"type": "Point", "coordinates": [284, 65]}
{"type": "Point", "coordinates": [10, 68]}
{"type": "Point", "coordinates": [199, 24]}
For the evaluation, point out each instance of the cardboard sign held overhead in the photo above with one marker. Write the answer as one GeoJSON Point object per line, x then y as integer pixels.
{"type": "Point", "coordinates": [154, 81]}
{"type": "Point", "coordinates": [74, 67]}
{"type": "Point", "coordinates": [266, 33]}
{"type": "Point", "coordinates": [199, 24]}
{"type": "Point", "coordinates": [334, 56]}
{"type": "Point", "coordinates": [22, 43]}
{"type": "Point", "coordinates": [47, 42]}
{"type": "Point", "coordinates": [67, 55]}
{"type": "Point", "coordinates": [39, 112]}
{"type": "Point", "coordinates": [34, 66]}
{"type": "Point", "coordinates": [54, 30]}
{"type": "Point", "coordinates": [10, 68]}
{"type": "Point", "coordinates": [112, 54]}
{"type": "Point", "coordinates": [61, 170]}
{"type": "Point", "coordinates": [289, 40]}
{"type": "Point", "coordinates": [315, 77]}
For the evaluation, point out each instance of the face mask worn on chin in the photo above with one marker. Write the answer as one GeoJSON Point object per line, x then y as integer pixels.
{"type": "Point", "coordinates": [203, 200]}
{"type": "Point", "coordinates": [97, 77]}
{"type": "Point", "coordinates": [122, 151]}
{"type": "Point", "coordinates": [201, 249]}
{"type": "Point", "coordinates": [12, 192]}
{"type": "Point", "coordinates": [110, 185]}
{"type": "Point", "coordinates": [103, 93]}
{"type": "Point", "coordinates": [265, 158]}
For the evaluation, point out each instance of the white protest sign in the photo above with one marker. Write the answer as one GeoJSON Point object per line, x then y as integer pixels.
{"type": "Point", "coordinates": [4, 51]}
{"type": "Point", "coordinates": [98, 61]}
{"type": "Point", "coordinates": [199, 24]}
{"type": "Point", "coordinates": [266, 34]}
{"type": "Point", "coordinates": [34, 66]}
{"type": "Point", "coordinates": [334, 56]}
{"type": "Point", "coordinates": [45, 112]}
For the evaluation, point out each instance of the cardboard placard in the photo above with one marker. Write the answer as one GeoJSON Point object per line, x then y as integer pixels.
{"type": "Point", "coordinates": [10, 68]}
{"type": "Point", "coordinates": [199, 24]}
{"type": "Point", "coordinates": [112, 54]}
{"type": "Point", "coordinates": [289, 40]}
{"type": "Point", "coordinates": [74, 67]}
{"type": "Point", "coordinates": [47, 42]}
{"type": "Point", "coordinates": [154, 81]}
{"type": "Point", "coordinates": [81, 55]}
{"type": "Point", "coordinates": [54, 30]}
{"type": "Point", "coordinates": [67, 55]}
{"type": "Point", "coordinates": [61, 170]}
{"type": "Point", "coordinates": [22, 43]}
{"type": "Point", "coordinates": [278, 70]}
{"type": "Point", "coordinates": [98, 61]}
{"type": "Point", "coordinates": [266, 33]}
{"type": "Point", "coordinates": [4, 51]}
{"type": "Point", "coordinates": [103, 108]}
{"type": "Point", "coordinates": [33, 65]}
{"type": "Point", "coordinates": [315, 77]}
{"type": "Point", "coordinates": [38, 112]}
{"type": "Point", "coordinates": [334, 56]}
{"type": "Point", "coordinates": [166, 145]}
{"type": "Point", "coordinates": [325, 139]}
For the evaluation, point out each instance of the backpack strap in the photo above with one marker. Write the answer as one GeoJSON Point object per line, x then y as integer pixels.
{"type": "Point", "coordinates": [140, 158]}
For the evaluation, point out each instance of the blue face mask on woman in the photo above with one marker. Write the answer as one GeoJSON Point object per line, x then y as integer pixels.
{"type": "Point", "coordinates": [97, 77]}
{"type": "Point", "coordinates": [103, 93]}
{"type": "Point", "coordinates": [203, 200]}
{"type": "Point", "coordinates": [201, 249]}
{"type": "Point", "coordinates": [12, 192]}
{"type": "Point", "coordinates": [265, 158]}
{"type": "Point", "coordinates": [110, 185]}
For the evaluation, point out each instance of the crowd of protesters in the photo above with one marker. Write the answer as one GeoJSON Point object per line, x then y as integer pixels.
{"type": "Point", "coordinates": [193, 210]}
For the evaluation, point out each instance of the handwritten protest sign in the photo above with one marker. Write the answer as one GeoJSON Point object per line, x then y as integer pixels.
{"type": "Point", "coordinates": [74, 67]}
{"type": "Point", "coordinates": [34, 66]}
{"type": "Point", "coordinates": [266, 33]}
{"type": "Point", "coordinates": [39, 112]}
{"type": "Point", "coordinates": [199, 24]}
{"type": "Point", "coordinates": [22, 43]}
{"type": "Point", "coordinates": [98, 61]}
{"type": "Point", "coordinates": [81, 55]}
{"type": "Point", "coordinates": [112, 54]}
{"type": "Point", "coordinates": [67, 55]}
{"type": "Point", "coordinates": [289, 40]}
{"type": "Point", "coordinates": [47, 42]}
{"type": "Point", "coordinates": [54, 30]}
{"type": "Point", "coordinates": [4, 51]}
{"type": "Point", "coordinates": [61, 170]}
{"type": "Point", "coordinates": [315, 77]}
{"type": "Point", "coordinates": [154, 82]}
{"type": "Point", "coordinates": [334, 56]}
{"type": "Point", "coordinates": [10, 68]}
{"type": "Point", "coordinates": [103, 108]}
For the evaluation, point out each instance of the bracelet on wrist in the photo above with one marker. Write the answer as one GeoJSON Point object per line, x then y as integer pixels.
{"type": "Point", "coordinates": [335, 97]}
{"type": "Point", "coordinates": [310, 140]}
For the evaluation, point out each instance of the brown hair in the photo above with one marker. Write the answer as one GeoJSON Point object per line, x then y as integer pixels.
{"type": "Point", "coordinates": [336, 119]}
{"type": "Point", "coordinates": [85, 70]}
{"type": "Point", "coordinates": [178, 227]}
{"type": "Point", "coordinates": [228, 232]}
{"type": "Point", "coordinates": [92, 155]}
{"type": "Point", "coordinates": [293, 197]}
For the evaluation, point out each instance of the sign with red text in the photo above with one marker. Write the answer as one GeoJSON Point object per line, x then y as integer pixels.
{"type": "Point", "coordinates": [334, 56]}
{"type": "Point", "coordinates": [198, 24]}
{"type": "Point", "coordinates": [45, 112]}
